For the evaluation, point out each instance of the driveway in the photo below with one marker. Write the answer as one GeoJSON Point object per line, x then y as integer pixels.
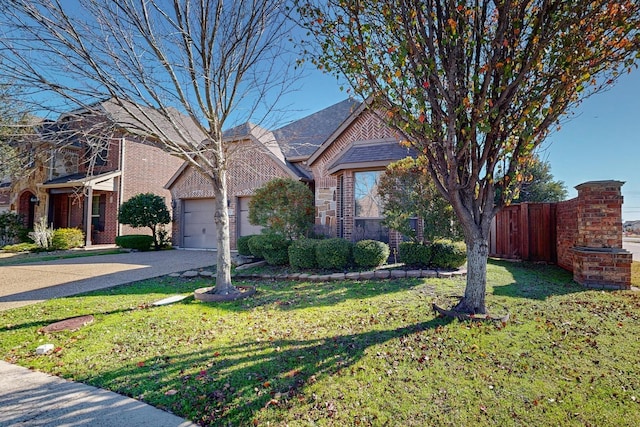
{"type": "Point", "coordinates": [31, 283]}
{"type": "Point", "coordinates": [632, 244]}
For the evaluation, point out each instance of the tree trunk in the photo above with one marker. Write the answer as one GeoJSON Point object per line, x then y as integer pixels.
{"type": "Point", "coordinates": [473, 301]}
{"type": "Point", "coordinates": [223, 267]}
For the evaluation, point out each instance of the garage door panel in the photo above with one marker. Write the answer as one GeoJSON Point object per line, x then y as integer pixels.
{"type": "Point", "coordinates": [199, 227]}
{"type": "Point", "coordinates": [246, 228]}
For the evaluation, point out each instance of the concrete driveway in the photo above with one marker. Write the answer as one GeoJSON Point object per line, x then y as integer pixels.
{"type": "Point", "coordinates": [31, 283]}
{"type": "Point", "coordinates": [633, 246]}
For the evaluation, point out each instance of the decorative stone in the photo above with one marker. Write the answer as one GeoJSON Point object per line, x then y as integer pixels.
{"type": "Point", "coordinates": [398, 274]}
{"type": "Point", "coordinates": [174, 275]}
{"type": "Point", "coordinates": [204, 295]}
{"type": "Point", "coordinates": [324, 278]}
{"type": "Point", "coordinates": [413, 273]}
{"type": "Point", "coordinates": [337, 276]}
{"type": "Point", "coordinates": [445, 274]}
{"type": "Point", "coordinates": [428, 273]}
{"type": "Point", "coordinates": [190, 274]}
{"type": "Point", "coordinates": [293, 276]}
{"type": "Point", "coordinates": [381, 274]}
{"type": "Point", "coordinates": [206, 273]}
{"type": "Point", "coordinates": [312, 278]}
{"type": "Point", "coordinates": [352, 276]}
{"type": "Point", "coordinates": [253, 264]}
{"type": "Point", "coordinates": [70, 324]}
{"type": "Point", "coordinates": [169, 300]}
{"type": "Point", "coordinates": [367, 275]}
{"type": "Point", "coordinates": [44, 349]}
{"type": "Point", "coordinates": [304, 276]}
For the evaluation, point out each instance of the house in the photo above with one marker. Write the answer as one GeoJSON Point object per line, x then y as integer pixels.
{"type": "Point", "coordinates": [339, 152]}
{"type": "Point", "coordinates": [78, 177]}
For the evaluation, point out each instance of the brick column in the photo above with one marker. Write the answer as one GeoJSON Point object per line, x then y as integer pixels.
{"type": "Point", "coordinates": [598, 258]}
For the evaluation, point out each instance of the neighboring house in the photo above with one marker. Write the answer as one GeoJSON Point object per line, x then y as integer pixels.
{"type": "Point", "coordinates": [339, 152]}
{"type": "Point", "coordinates": [68, 189]}
{"type": "Point", "coordinates": [4, 196]}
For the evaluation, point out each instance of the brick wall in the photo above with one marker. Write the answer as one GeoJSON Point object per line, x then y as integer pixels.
{"type": "Point", "coordinates": [367, 126]}
{"type": "Point", "coordinates": [249, 167]}
{"type": "Point", "coordinates": [566, 231]}
{"type": "Point", "coordinates": [145, 169]}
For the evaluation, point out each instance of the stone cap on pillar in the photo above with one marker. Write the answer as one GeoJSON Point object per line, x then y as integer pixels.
{"type": "Point", "coordinates": [606, 183]}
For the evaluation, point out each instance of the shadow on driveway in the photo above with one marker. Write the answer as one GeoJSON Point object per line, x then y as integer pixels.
{"type": "Point", "coordinates": [31, 283]}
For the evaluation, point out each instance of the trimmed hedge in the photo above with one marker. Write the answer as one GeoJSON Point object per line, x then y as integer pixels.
{"type": "Point", "coordinates": [334, 253]}
{"type": "Point", "coordinates": [243, 245]}
{"type": "Point", "coordinates": [302, 253]}
{"type": "Point", "coordinates": [448, 254]}
{"type": "Point", "coordinates": [274, 248]}
{"type": "Point", "coordinates": [67, 238]}
{"type": "Point", "coordinates": [439, 254]}
{"type": "Point", "coordinates": [141, 242]}
{"type": "Point", "coordinates": [414, 254]}
{"type": "Point", "coordinates": [22, 247]}
{"type": "Point", "coordinates": [370, 253]}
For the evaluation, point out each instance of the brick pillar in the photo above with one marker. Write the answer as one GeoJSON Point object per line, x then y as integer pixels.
{"type": "Point", "coordinates": [598, 258]}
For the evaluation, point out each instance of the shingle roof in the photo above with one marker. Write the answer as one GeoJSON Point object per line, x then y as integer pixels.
{"type": "Point", "coordinates": [379, 153]}
{"type": "Point", "coordinates": [302, 137]}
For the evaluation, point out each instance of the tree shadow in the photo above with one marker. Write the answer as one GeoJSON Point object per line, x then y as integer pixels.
{"type": "Point", "coordinates": [226, 385]}
{"type": "Point", "coordinates": [536, 281]}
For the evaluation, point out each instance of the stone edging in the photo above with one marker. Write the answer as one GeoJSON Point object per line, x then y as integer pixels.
{"type": "Point", "coordinates": [363, 275]}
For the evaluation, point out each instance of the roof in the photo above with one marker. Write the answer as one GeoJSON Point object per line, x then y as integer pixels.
{"type": "Point", "coordinates": [370, 154]}
{"type": "Point", "coordinates": [301, 138]}
{"type": "Point", "coordinates": [83, 180]}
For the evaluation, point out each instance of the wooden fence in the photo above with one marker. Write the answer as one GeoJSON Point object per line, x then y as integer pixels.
{"type": "Point", "coordinates": [525, 231]}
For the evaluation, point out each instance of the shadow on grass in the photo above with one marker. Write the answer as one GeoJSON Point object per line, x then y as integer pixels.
{"type": "Point", "coordinates": [535, 281]}
{"type": "Point", "coordinates": [227, 385]}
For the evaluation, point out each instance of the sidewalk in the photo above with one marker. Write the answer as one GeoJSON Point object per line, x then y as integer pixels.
{"type": "Point", "coordinates": [29, 398]}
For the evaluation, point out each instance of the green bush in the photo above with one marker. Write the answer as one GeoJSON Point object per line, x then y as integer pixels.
{"type": "Point", "coordinates": [140, 242]}
{"type": "Point", "coordinates": [334, 253]}
{"type": "Point", "coordinates": [22, 247]}
{"type": "Point", "coordinates": [272, 247]}
{"type": "Point", "coordinates": [448, 254]}
{"type": "Point", "coordinates": [243, 245]}
{"type": "Point", "coordinates": [302, 253]}
{"type": "Point", "coordinates": [370, 253]}
{"type": "Point", "coordinates": [11, 228]}
{"type": "Point", "coordinates": [67, 238]}
{"type": "Point", "coordinates": [146, 210]}
{"type": "Point", "coordinates": [414, 254]}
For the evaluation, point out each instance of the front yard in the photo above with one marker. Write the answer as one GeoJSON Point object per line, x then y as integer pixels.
{"type": "Point", "coordinates": [353, 353]}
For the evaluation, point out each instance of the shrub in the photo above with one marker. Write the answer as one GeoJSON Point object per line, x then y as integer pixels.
{"type": "Point", "coordinates": [448, 254]}
{"type": "Point", "coordinates": [140, 242]}
{"type": "Point", "coordinates": [414, 254]}
{"type": "Point", "coordinates": [67, 238]}
{"type": "Point", "coordinates": [302, 253]}
{"type": "Point", "coordinates": [272, 247]}
{"type": "Point", "coordinates": [22, 247]}
{"type": "Point", "coordinates": [370, 253]}
{"type": "Point", "coordinates": [334, 253]}
{"type": "Point", "coordinates": [284, 206]}
{"type": "Point", "coordinates": [145, 210]}
{"type": "Point", "coordinates": [243, 245]}
{"type": "Point", "coordinates": [11, 228]}
{"type": "Point", "coordinates": [42, 234]}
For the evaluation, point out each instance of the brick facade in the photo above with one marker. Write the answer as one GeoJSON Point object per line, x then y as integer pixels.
{"type": "Point", "coordinates": [366, 127]}
{"type": "Point", "coordinates": [588, 232]}
{"type": "Point", "coordinates": [250, 166]}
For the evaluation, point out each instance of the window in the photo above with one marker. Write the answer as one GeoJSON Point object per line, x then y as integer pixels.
{"type": "Point", "coordinates": [368, 208]}
{"type": "Point", "coordinates": [368, 202]}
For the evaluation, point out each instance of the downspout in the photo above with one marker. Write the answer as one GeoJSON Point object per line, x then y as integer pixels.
{"type": "Point", "coordinates": [121, 181]}
{"type": "Point", "coordinates": [88, 213]}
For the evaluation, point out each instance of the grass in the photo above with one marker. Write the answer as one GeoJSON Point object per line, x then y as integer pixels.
{"type": "Point", "coordinates": [353, 353]}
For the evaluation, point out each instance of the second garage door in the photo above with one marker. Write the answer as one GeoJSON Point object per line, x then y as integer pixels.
{"type": "Point", "coordinates": [199, 229]}
{"type": "Point", "coordinates": [246, 228]}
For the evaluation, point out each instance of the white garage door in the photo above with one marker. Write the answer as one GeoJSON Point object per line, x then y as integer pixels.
{"type": "Point", "coordinates": [199, 230]}
{"type": "Point", "coordinates": [246, 228]}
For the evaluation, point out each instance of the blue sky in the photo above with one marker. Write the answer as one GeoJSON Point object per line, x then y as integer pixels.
{"type": "Point", "coordinates": [600, 141]}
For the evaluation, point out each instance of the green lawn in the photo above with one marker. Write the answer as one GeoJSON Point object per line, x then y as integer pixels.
{"type": "Point", "coordinates": [354, 353]}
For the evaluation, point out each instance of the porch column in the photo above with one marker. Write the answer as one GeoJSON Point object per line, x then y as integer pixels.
{"type": "Point", "coordinates": [87, 213]}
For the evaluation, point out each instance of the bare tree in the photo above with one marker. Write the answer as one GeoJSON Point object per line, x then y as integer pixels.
{"type": "Point", "coordinates": [169, 65]}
